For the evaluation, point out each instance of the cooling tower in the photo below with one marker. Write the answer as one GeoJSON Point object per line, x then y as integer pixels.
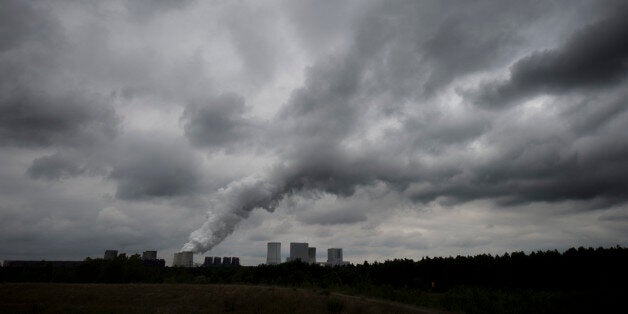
{"type": "Point", "coordinates": [183, 259]}
{"type": "Point", "coordinates": [311, 255]}
{"type": "Point", "coordinates": [299, 252]}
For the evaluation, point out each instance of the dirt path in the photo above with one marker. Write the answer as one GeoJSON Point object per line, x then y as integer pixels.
{"type": "Point", "coordinates": [392, 303]}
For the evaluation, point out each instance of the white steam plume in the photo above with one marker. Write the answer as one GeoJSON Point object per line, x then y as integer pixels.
{"type": "Point", "coordinates": [232, 204]}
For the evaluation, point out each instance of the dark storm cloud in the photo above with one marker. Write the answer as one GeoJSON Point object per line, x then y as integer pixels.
{"type": "Point", "coordinates": [329, 110]}
{"type": "Point", "coordinates": [39, 119]}
{"type": "Point", "coordinates": [361, 109]}
{"type": "Point", "coordinates": [430, 155]}
{"type": "Point", "coordinates": [147, 168]}
{"type": "Point", "coordinates": [593, 57]}
{"type": "Point", "coordinates": [467, 41]}
{"type": "Point", "coordinates": [218, 122]}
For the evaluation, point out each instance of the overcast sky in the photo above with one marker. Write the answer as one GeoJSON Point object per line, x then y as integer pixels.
{"type": "Point", "coordinates": [392, 129]}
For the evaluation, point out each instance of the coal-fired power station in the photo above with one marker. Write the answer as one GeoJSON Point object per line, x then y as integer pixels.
{"type": "Point", "coordinates": [304, 253]}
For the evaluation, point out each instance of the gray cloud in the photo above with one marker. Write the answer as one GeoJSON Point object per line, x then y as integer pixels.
{"type": "Point", "coordinates": [22, 22]}
{"type": "Point", "coordinates": [429, 156]}
{"type": "Point", "coordinates": [150, 169]}
{"type": "Point", "coordinates": [593, 57]}
{"type": "Point", "coordinates": [218, 122]}
{"type": "Point", "coordinates": [56, 166]}
{"type": "Point", "coordinates": [32, 118]}
{"type": "Point", "coordinates": [353, 120]}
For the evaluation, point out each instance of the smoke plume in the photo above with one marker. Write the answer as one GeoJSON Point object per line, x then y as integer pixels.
{"type": "Point", "coordinates": [232, 204]}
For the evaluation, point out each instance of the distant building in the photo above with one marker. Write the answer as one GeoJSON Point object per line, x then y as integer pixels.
{"type": "Point", "coordinates": [311, 255]}
{"type": "Point", "coordinates": [299, 252]}
{"type": "Point", "coordinates": [149, 255]}
{"type": "Point", "coordinates": [273, 255]}
{"type": "Point", "coordinates": [216, 261]}
{"type": "Point", "coordinates": [111, 254]}
{"type": "Point", "coordinates": [154, 262]}
{"type": "Point", "coordinates": [183, 259]}
{"type": "Point", "coordinates": [334, 257]}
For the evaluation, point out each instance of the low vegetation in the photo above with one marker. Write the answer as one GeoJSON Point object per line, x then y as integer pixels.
{"type": "Point", "coordinates": [181, 298]}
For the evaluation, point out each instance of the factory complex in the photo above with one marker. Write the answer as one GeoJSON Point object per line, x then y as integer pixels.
{"type": "Point", "coordinates": [304, 253]}
{"type": "Point", "coordinates": [186, 259]}
{"type": "Point", "coordinates": [298, 252]}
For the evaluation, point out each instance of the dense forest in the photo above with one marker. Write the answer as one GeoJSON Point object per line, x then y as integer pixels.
{"type": "Point", "coordinates": [578, 279]}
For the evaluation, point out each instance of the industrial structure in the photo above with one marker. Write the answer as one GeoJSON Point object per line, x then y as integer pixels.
{"type": "Point", "coordinates": [111, 254]}
{"type": "Point", "coordinates": [183, 259]}
{"type": "Point", "coordinates": [149, 255]}
{"type": "Point", "coordinates": [299, 252]}
{"type": "Point", "coordinates": [214, 261]}
{"type": "Point", "coordinates": [311, 255]}
{"type": "Point", "coordinates": [273, 255]}
{"type": "Point", "coordinates": [334, 257]}
{"type": "Point", "coordinates": [304, 253]}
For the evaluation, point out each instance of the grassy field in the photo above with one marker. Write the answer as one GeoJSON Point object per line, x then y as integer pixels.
{"type": "Point", "coordinates": [183, 298]}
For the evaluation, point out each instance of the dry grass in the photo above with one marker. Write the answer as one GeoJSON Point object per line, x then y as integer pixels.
{"type": "Point", "coordinates": [182, 298]}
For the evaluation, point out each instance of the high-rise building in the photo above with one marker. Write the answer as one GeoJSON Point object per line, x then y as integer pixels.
{"type": "Point", "coordinates": [226, 260]}
{"type": "Point", "coordinates": [183, 259]}
{"type": "Point", "coordinates": [299, 252]}
{"type": "Point", "coordinates": [273, 255]}
{"type": "Point", "coordinates": [311, 254]}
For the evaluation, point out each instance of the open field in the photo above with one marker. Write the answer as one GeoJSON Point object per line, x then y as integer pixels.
{"type": "Point", "coordinates": [183, 298]}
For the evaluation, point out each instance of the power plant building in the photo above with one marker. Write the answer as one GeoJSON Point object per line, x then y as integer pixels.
{"type": "Point", "coordinates": [183, 259]}
{"type": "Point", "coordinates": [111, 254]}
{"type": "Point", "coordinates": [311, 254]}
{"type": "Point", "coordinates": [334, 257]}
{"type": "Point", "coordinates": [299, 252]}
{"type": "Point", "coordinates": [149, 255]}
{"type": "Point", "coordinates": [273, 255]}
{"type": "Point", "coordinates": [213, 261]}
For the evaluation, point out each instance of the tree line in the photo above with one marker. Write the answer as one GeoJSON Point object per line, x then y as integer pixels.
{"type": "Point", "coordinates": [586, 268]}
{"type": "Point", "coordinates": [582, 279]}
